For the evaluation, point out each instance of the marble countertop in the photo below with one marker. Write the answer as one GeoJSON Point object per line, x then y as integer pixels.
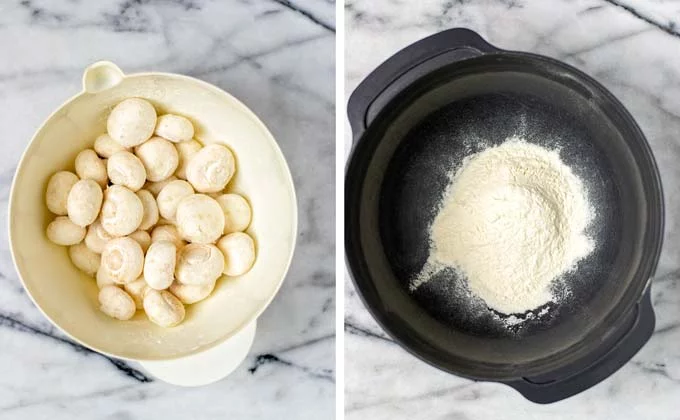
{"type": "Point", "coordinates": [276, 56]}
{"type": "Point", "coordinates": [629, 46]}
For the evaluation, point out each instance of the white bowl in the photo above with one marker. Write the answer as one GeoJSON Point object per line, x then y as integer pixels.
{"type": "Point", "coordinates": [68, 297]}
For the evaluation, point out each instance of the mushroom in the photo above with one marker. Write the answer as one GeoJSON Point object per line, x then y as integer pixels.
{"type": "Point", "coordinates": [188, 293]}
{"type": "Point", "coordinates": [122, 260]}
{"type": "Point", "coordinates": [186, 150]}
{"type": "Point", "coordinates": [97, 237]}
{"type": "Point", "coordinates": [122, 211]}
{"type": "Point", "coordinates": [239, 253]}
{"type": "Point", "coordinates": [199, 219]}
{"type": "Point", "coordinates": [115, 303]}
{"type": "Point", "coordinates": [106, 147]}
{"type": "Point", "coordinates": [131, 122]}
{"type": "Point", "coordinates": [84, 202]}
{"type": "Point", "coordinates": [150, 213]}
{"type": "Point", "coordinates": [62, 231]}
{"type": "Point", "coordinates": [136, 289]}
{"type": "Point", "coordinates": [167, 233]}
{"type": "Point", "coordinates": [103, 279]}
{"type": "Point", "coordinates": [163, 308]}
{"type": "Point", "coordinates": [174, 128]}
{"type": "Point", "coordinates": [237, 212]}
{"type": "Point", "coordinates": [84, 259]}
{"type": "Point", "coordinates": [127, 170]}
{"type": "Point", "coordinates": [143, 239]}
{"type": "Point", "coordinates": [159, 265]}
{"type": "Point", "coordinates": [156, 187]}
{"type": "Point", "coordinates": [89, 166]}
{"type": "Point", "coordinates": [199, 264]}
{"type": "Point", "coordinates": [170, 196]}
{"type": "Point", "coordinates": [159, 157]}
{"type": "Point", "coordinates": [211, 168]}
{"type": "Point", "coordinates": [57, 191]}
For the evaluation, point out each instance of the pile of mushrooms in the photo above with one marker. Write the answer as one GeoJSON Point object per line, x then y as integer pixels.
{"type": "Point", "coordinates": [145, 213]}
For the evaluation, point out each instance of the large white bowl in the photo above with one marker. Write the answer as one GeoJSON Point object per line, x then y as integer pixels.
{"type": "Point", "coordinates": [69, 298]}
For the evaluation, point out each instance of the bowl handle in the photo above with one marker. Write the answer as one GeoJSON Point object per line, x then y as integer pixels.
{"type": "Point", "coordinates": [100, 76]}
{"type": "Point", "coordinates": [583, 374]}
{"type": "Point", "coordinates": [207, 366]}
{"type": "Point", "coordinates": [405, 67]}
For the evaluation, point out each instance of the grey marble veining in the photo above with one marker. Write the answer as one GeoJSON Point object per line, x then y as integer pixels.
{"type": "Point", "coordinates": [278, 58]}
{"type": "Point", "coordinates": [631, 47]}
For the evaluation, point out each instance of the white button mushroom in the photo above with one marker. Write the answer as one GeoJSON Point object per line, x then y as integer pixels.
{"type": "Point", "coordinates": [84, 259]}
{"type": "Point", "coordinates": [122, 260]}
{"type": "Point", "coordinates": [136, 290]}
{"type": "Point", "coordinates": [167, 233]}
{"type": "Point", "coordinates": [199, 264]}
{"type": "Point", "coordinates": [116, 303]}
{"type": "Point", "coordinates": [142, 237]}
{"type": "Point", "coordinates": [237, 213]}
{"type": "Point", "coordinates": [122, 211]}
{"type": "Point", "coordinates": [199, 219]}
{"type": "Point", "coordinates": [127, 170]}
{"type": "Point", "coordinates": [188, 294]}
{"type": "Point", "coordinates": [57, 191]}
{"type": "Point", "coordinates": [103, 279]}
{"type": "Point", "coordinates": [239, 253]}
{"type": "Point", "coordinates": [132, 122]}
{"type": "Point", "coordinates": [97, 237]}
{"type": "Point", "coordinates": [159, 265]}
{"type": "Point", "coordinates": [156, 187]}
{"type": "Point", "coordinates": [174, 128]}
{"type": "Point", "coordinates": [163, 308]}
{"type": "Point", "coordinates": [84, 202]}
{"type": "Point", "coordinates": [170, 196]}
{"type": "Point", "coordinates": [89, 166]}
{"type": "Point", "coordinates": [62, 231]}
{"type": "Point", "coordinates": [159, 157]}
{"type": "Point", "coordinates": [186, 151]}
{"type": "Point", "coordinates": [150, 210]}
{"type": "Point", "coordinates": [106, 147]}
{"type": "Point", "coordinates": [211, 168]}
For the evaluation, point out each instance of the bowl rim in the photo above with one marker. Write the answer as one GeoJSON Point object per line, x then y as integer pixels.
{"type": "Point", "coordinates": [288, 179]}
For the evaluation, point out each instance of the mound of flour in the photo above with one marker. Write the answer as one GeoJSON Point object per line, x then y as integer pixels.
{"type": "Point", "coordinates": [512, 221]}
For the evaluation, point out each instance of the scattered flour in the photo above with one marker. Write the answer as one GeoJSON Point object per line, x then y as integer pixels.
{"type": "Point", "coordinates": [512, 221]}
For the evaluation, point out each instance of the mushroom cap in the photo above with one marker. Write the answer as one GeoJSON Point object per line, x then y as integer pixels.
{"type": "Point", "coordinates": [127, 170]}
{"type": "Point", "coordinates": [199, 219]}
{"type": "Point", "coordinates": [58, 187]}
{"type": "Point", "coordinates": [163, 308]}
{"type": "Point", "coordinates": [160, 158]}
{"type": "Point", "coordinates": [122, 211]}
{"type": "Point", "coordinates": [211, 168]}
{"type": "Point", "coordinates": [199, 264]}
{"type": "Point", "coordinates": [239, 253]}
{"type": "Point", "coordinates": [174, 128]}
{"type": "Point", "coordinates": [131, 122]}
{"type": "Point", "coordinates": [116, 303]}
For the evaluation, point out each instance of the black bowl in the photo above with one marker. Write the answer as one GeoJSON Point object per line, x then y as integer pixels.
{"type": "Point", "coordinates": [412, 121]}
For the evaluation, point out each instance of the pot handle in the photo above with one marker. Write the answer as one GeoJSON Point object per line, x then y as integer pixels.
{"type": "Point", "coordinates": [407, 65]}
{"type": "Point", "coordinates": [640, 326]}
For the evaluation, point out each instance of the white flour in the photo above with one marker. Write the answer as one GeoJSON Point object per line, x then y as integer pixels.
{"type": "Point", "coordinates": [512, 221]}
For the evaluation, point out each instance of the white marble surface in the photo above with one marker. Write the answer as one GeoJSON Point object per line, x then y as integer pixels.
{"type": "Point", "coordinates": [278, 58]}
{"type": "Point", "coordinates": [631, 47]}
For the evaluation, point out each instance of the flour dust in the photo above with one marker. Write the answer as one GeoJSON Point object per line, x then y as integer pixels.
{"type": "Point", "coordinates": [511, 223]}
